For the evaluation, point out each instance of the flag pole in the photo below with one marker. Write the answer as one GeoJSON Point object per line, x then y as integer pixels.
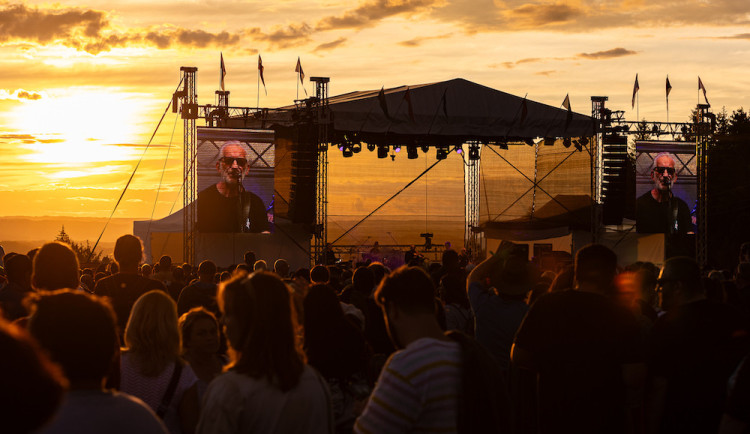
{"type": "Point", "coordinates": [257, 101]}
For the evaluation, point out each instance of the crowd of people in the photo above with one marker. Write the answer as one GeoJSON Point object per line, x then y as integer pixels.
{"type": "Point", "coordinates": [493, 345]}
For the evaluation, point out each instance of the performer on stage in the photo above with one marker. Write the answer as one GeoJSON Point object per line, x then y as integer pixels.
{"type": "Point", "coordinates": [659, 210]}
{"type": "Point", "coordinates": [226, 206]}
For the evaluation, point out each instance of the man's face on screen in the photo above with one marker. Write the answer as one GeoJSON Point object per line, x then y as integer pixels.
{"type": "Point", "coordinates": [232, 165]}
{"type": "Point", "coordinates": [664, 174]}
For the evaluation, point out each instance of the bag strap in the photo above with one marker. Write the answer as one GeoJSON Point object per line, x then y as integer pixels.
{"type": "Point", "coordinates": [162, 410]}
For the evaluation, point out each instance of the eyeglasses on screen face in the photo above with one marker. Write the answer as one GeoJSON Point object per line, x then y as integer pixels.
{"type": "Point", "coordinates": [242, 162]}
{"type": "Point", "coordinates": [661, 170]}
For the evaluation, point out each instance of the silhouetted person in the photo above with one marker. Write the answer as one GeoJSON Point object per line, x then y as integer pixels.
{"type": "Point", "coordinates": [55, 267]}
{"type": "Point", "coordinates": [124, 288]}
{"type": "Point", "coordinates": [435, 382]}
{"type": "Point", "coordinates": [18, 269]}
{"type": "Point", "coordinates": [268, 387]}
{"type": "Point", "coordinates": [694, 349]}
{"type": "Point", "coordinates": [201, 293]}
{"type": "Point", "coordinates": [320, 274]}
{"type": "Point", "coordinates": [201, 343]}
{"type": "Point", "coordinates": [151, 361]}
{"type": "Point", "coordinates": [31, 386]}
{"type": "Point", "coordinates": [579, 355]}
{"type": "Point", "coordinates": [78, 330]}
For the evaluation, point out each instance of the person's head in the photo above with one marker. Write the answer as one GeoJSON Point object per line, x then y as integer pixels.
{"type": "Point", "coordinates": [320, 274]}
{"type": "Point", "coordinates": [232, 165]}
{"type": "Point", "coordinates": [260, 265]}
{"type": "Point", "coordinates": [206, 270]}
{"type": "Point", "coordinates": [250, 258]}
{"type": "Point", "coordinates": [165, 263]}
{"type": "Point", "coordinates": [55, 267]}
{"type": "Point", "coordinates": [31, 387]}
{"type": "Point", "coordinates": [379, 271]}
{"type": "Point", "coordinates": [323, 314]}
{"type": "Point", "coordinates": [514, 278]}
{"type": "Point", "coordinates": [18, 270]}
{"type": "Point", "coordinates": [152, 335]}
{"type": "Point", "coordinates": [595, 268]}
{"type": "Point", "coordinates": [745, 252]}
{"type": "Point", "coordinates": [260, 325]}
{"type": "Point", "coordinates": [187, 269]}
{"type": "Point", "coordinates": [363, 280]}
{"type": "Point", "coordinates": [406, 293]}
{"type": "Point", "coordinates": [80, 333]}
{"type": "Point", "coordinates": [128, 251]}
{"type": "Point", "coordinates": [450, 259]}
{"type": "Point", "coordinates": [146, 270]}
{"type": "Point", "coordinates": [453, 290]}
{"type": "Point", "coordinates": [679, 282]}
{"type": "Point", "coordinates": [200, 331]}
{"type": "Point", "coordinates": [281, 267]}
{"type": "Point", "coordinates": [663, 171]}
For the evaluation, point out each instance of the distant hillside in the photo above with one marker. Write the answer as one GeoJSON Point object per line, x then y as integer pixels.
{"type": "Point", "coordinates": [21, 234]}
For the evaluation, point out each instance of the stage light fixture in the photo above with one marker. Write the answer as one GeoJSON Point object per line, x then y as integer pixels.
{"type": "Point", "coordinates": [411, 152]}
{"type": "Point", "coordinates": [357, 148]}
{"type": "Point", "coordinates": [502, 144]}
{"type": "Point", "coordinates": [347, 151]}
{"type": "Point", "coordinates": [382, 151]}
{"type": "Point", "coordinates": [442, 153]}
{"type": "Point", "coordinates": [549, 141]}
{"type": "Point", "coordinates": [370, 147]}
{"type": "Point", "coordinates": [577, 145]}
{"type": "Point", "coordinates": [425, 148]}
{"type": "Point", "coordinates": [397, 148]}
{"type": "Point", "coordinates": [473, 152]}
{"type": "Point", "coordinates": [566, 142]}
{"type": "Point", "coordinates": [529, 142]}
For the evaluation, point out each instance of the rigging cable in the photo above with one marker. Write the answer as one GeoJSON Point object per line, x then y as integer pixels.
{"type": "Point", "coordinates": [132, 175]}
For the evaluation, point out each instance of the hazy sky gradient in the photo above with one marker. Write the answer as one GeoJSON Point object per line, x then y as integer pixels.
{"type": "Point", "coordinates": [83, 84]}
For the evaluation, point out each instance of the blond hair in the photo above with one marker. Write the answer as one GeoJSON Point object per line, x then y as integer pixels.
{"type": "Point", "coordinates": [152, 336]}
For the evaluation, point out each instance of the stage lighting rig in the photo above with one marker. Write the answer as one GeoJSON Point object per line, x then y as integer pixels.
{"type": "Point", "coordinates": [370, 147]}
{"type": "Point", "coordinates": [473, 152]}
{"type": "Point", "coordinates": [442, 152]}
{"type": "Point", "coordinates": [382, 151]}
{"type": "Point", "coordinates": [411, 152]}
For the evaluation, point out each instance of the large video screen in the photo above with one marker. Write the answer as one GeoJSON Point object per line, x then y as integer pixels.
{"type": "Point", "coordinates": [235, 177]}
{"type": "Point", "coordinates": [666, 192]}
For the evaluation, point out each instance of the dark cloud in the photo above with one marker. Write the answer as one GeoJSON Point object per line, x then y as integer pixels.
{"type": "Point", "coordinates": [420, 40]}
{"type": "Point", "coordinates": [282, 37]}
{"type": "Point", "coordinates": [370, 12]}
{"type": "Point", "coordinates": [331, 45]}
{"type": "Point", "coordinates": [22, 94]}
{"type": "Point", "coordinates": [589, 15]}
{"type": "Point", "coordinates": [608, 54]}
{"type": "Point", "coordinates": [20, 22]}
{"type": "Point", "coordinates": [544, 14]}
{"type": "Point", "coordinates": [737, 36]}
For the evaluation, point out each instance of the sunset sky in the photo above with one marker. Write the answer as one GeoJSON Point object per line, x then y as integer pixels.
{"type": "Point", "coordinates": [83, 84]}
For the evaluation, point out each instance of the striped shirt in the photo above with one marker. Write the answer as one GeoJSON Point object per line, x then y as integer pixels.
{"type": "Point", "coordinates": [417, 391]}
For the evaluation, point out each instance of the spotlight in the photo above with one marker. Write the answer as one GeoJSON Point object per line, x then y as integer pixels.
{"type": "Point", "coordinates": [549, 141]}
{"type": "Point", "coordinates": [397, 148]}
{"type": "Point", "coordinates": [425, 148]}
{"type": "Point", "coordinates": [382, 151]}
{"type": "Point", "coordinates": [529, 142]}
{"type": "Point", "coordinates": [459, 149]}
{"type": "Point", "coordinates": [347, 151]}
{"type": "Point", "coordinates": [357, 148]}
{"type": "Point", "coordinates": [566, 142]}
{"type": "Point", "coordinates": [411, 152]}
{"type": "Point", "coordinates": [474, 152]}
{"type": "Point", "coordinates": [577, 145]}
{"type": "Point", "coordinates": [442, 153]}
{"type": "Point", "coordinates": [370, 147]}
{"type": "Point", "coordinates": [502, 144]}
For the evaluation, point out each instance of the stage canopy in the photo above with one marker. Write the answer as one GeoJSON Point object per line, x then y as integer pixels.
{"type": "Point", "coordinates": [456, 110]}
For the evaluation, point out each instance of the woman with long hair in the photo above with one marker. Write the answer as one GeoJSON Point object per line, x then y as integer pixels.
{"type": "Point", "coordinates": [151, 368]}
{"type": "Point", "coordinates": [268, 387]}
{"type": "Point", "coordinates": [201, 345]}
